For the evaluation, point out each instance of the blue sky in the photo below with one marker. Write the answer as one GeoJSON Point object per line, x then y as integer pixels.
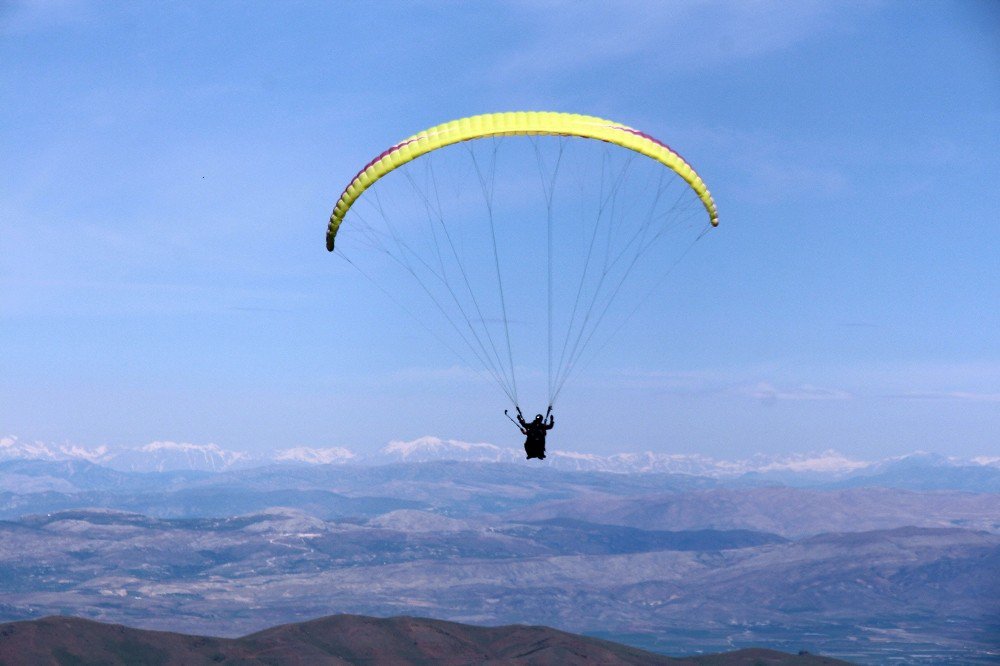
{"type": "Point", "coordinates": [168, 170]}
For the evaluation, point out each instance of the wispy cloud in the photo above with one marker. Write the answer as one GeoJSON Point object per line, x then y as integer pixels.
{"type": "Point", "coordinates": [959, 382]}
{"type": "Point", "coordinates": [736, 382]}
{"type": "Point", "coordinates": [24, 16]}
{"type": "Point", "coordinates": [963, 396]}
{"type": "Point", "coordinates": [567, 36]}
{"type": "Point", "coordinates": [780, 164]}
{"type": "Point", "coordinates": [767, 392]}
{"type": "Point", "coordinates": [451, 373]}
{"type": "Point", "coordinates": [973, 381]}
{"type": "Point", "coordinates": [682, 382]}
{"type": "Point", "coordinates": [770, 176]}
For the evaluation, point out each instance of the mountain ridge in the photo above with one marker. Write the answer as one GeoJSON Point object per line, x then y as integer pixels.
{"type": "Point", "coordinates": [920, 470]}
{"type": "Point", "coordinates": [346, 639]}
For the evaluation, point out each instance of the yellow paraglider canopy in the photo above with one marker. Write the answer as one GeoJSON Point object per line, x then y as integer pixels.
{"type": "Point", "coordinates": [514, 123]}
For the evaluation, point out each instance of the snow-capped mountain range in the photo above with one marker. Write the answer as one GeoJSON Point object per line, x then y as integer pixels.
{"type": "Point", "coordinates": [164, 456]}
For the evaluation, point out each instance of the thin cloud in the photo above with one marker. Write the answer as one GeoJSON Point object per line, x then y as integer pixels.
{"type": "Point", "coordinates": [767, 392]}
{"type": "Point", "coordinates": [771, 176]}
{"type": "Point", "coordinates": [693, 382]}
{"type": "Point", "coordinates": [963, 396]}
{"type": "Point", "coordinates": [18, 18]}
{"type": "Point", "coordinates": [780, 164]}
{"type": "Point", "coordinates": [449, 374]}
{"type": "Point", "coordinates": [564, 37]}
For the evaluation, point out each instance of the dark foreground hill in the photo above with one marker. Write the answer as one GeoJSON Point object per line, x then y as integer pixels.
{"type": "Point", "coordinates": [340, 639]}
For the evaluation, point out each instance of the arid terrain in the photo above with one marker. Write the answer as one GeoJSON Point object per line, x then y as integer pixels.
{"type": "Point", "coordinates": [674, 564]}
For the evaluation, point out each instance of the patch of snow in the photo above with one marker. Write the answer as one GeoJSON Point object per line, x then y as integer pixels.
{"type": "Point", "coordinates": [311, 456]}
{"type": "Point", "coordinates": [428, 448]}
{"type": "Point", "coordinates": [826, 462]}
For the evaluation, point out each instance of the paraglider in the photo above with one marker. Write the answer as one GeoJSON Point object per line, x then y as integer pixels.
{"type": "Point", "coordinates": [535, 431]}
{"type": "Point", "coordinates": [453, 236]}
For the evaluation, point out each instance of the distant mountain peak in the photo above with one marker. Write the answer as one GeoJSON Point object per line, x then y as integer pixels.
{"type": "Point", "coordinates": [828, 466]}
{"type": "Point", "coordinates": [428, 448]}
{"type": "Point", "coordinates": [12, 448]}
{"type": "Point", "coordinates": [158, 456]}
{"type": "Point", "coordinates": [828, 461]}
